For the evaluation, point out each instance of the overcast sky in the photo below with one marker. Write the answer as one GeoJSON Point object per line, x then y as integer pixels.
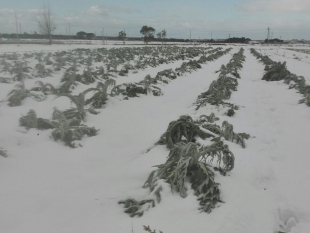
{"type": "Point", "coordinates": [248, 18]}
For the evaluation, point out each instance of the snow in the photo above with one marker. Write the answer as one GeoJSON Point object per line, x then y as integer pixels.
{"type": "Point", "coordinates": [48, 187]}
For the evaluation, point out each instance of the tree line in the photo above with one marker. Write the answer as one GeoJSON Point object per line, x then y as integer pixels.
{"type": "Point", "coordinates": [147, 32]}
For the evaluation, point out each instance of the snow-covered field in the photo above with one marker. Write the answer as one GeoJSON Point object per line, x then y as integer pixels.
{"type": "Point", "coordinates": [47, 187]}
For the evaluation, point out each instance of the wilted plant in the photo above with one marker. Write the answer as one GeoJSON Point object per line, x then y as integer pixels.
{"type": "Point", "coordinates": [44, 87]}
{"type": "Point", "coordinates": [79, 112]}
{"type": "Point", "coordinates": [305, 100]}
{"type": "Point", "coordinates": [69, 82]}
{"type": "Point", "coordinates": [184, 129]}
{"type": "Point", "coordinates": [276, 72]}
{"type": "Point", "coordinates": [166, 75]}
{"type": "Point", "coordinates": [226, 131]}
{"type": "Point", "coordinates": [20, 71]}
{"type": "Point", "coordinates": [12, 56]}
{"type": "Point", "coordinates": [32, 121]}
{"type": "Point", "coordinates": [41, 71]}
{"type": "Point", "coordinates": [130, 90]}
{"type": "Point", "coordinates": [69, 130]}
{"type": "Point", "coordinates": [87, 77]}
{"type": "Point", "coordinates": [6, 65]}
{"type": "Point", "coordinates": [230, 112]}
{"type": "Point", "coordinates": [186, 161]}
{"type": "Point", "coordinates": [3, 152]}
{"type": "Point", "coordinates": [207, 119]}
{"type": "Point", "coordinates": [59, 63]}
{"type": "Point", "coordinates": [19, 93]}
{"type": "Point", "coordinates": [148, 229]}
{"type": "Point", "coordinates": [103, 74]}
{"type": "Point", "coordinates": [47, 59]}
{"type": "Point", "coordinates": [101, 96]}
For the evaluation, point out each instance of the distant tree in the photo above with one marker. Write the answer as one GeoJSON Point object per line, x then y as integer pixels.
{"type": "Point", "coordinates": [162, 35]}
{"type": "Point", "coordinates": [81, 35]}
{"type": "Point", "coordinates": [238, 40]}
{"type": "Point", "coordinates": [148, 33]}
{"type": "Point", "coordinates": [90, 36]}
{"type": "Point", "coordinates": [46, 21]}
{"type": "Point", "coordinates": [122, 36]}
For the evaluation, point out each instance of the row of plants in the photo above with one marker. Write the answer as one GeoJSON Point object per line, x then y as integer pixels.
{"type": "Point", "coordinates": [221, 89]}
{"type": "Point", "coordinates": [149, 84]}
{"type": "Point", "coordinates": [307, 51]}
{"type": "Point", "coordinates": [277, 71]}
{"type": "Point", "coordinates": [67, 125]}
{"type": "Point", "coordinates": [17, 65]}
{"type": "Point", "coordinates": [71, 78]}
{"type": "Point", "coordinates": [197, 150]}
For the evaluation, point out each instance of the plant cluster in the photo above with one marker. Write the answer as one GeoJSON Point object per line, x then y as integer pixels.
{"type": "Point", "coordinates": [276, 71]}
{"type": "Point", "coordinates": [19, 93]}
{"type": "Point", "coordinates": [148, 85]}
{"type": "Point", "coordinates": [221, 89]}
{"type": "Point", "coordinates": [64, 129]}
{"type": "Point", "coordinates": [189, 160]}
{"type": "Point", "coordinates": [3, 152]}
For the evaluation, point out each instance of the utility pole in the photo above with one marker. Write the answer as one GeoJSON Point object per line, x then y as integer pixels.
{"type": "Point", "coordinates": [20, 28]}
{"type": "Point", "coordinates": [229, 38]}
{"type": "Point", "coordinates": [69, 35]}
{"type": "Point", "coordinates": [16, 30]}
{"type": "Point", "coordinates": [211, 37]}
{"type": "Point", "coordinates": [190, 36]}
{"type": "Point", "coordinates": [103, 36]}
{"type": "Point", "coordinates": [268, 35]}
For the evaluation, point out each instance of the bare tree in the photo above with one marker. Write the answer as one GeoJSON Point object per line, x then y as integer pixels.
{"type": "Point", "coordinates": [46, 21]}
{"type": "Point", "coordinates": [162, 35]}
{"type": "Point", "coordinates": [122, 36]}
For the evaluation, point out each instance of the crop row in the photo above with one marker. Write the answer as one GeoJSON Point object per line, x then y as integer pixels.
{"type": "Point", "coordinates": [307, 51]}
{"type": "Point", "coordinates": [110, 62]}
{"type": "Point", "coordinates": [67, 125]}
{"type": "Point", "coordinates": [71, 77]}
{"type": "Point", "coordinates": [277, 71]}
{"type": "Point", "coordinates": [150, 84]}
{"type": "Point", "coordinates": [189, 159]}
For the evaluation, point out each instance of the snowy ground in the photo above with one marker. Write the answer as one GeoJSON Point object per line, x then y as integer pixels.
{"type": "Point", "coordinates": [47, 187]}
